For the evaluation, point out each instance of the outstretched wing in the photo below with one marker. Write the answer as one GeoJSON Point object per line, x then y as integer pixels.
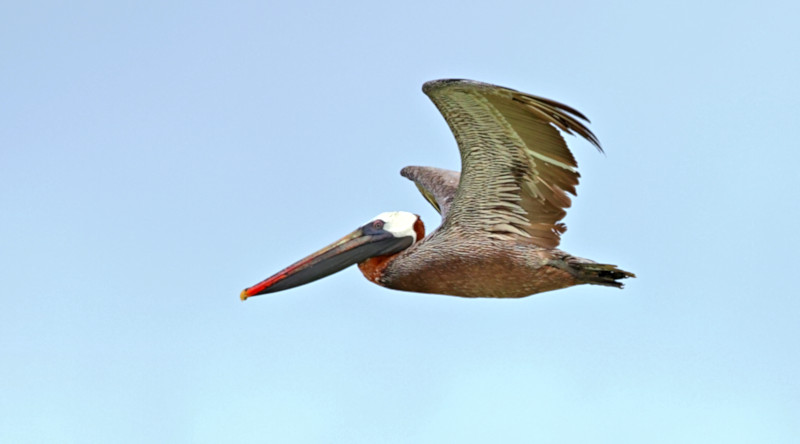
{"type": "Point", "coordinates": [437, 185]}
{"type": "Point", "coordinates": [516, 167]}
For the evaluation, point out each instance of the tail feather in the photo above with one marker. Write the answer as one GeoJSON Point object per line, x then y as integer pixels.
{"type": "Point", "coordinates": [601, 274]}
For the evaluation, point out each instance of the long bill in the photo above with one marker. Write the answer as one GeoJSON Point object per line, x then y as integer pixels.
{"type": "Point", "coordinates": [357, 246]}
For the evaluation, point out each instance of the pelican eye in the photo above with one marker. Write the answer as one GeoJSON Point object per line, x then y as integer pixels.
{"type": "Point", "coordinates": [378, 224]}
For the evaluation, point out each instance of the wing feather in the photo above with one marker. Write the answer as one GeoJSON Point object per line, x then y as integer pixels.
{"type": "Point", "coordinates": [437, 185]}
{"type": "Point", "coordinates": [516, 167]}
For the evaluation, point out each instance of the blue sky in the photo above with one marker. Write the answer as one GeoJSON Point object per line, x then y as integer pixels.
{"type": "Point", "coordinates": [156, 158]}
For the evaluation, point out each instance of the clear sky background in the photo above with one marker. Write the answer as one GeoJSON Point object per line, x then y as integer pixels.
{"type": "Point", "coordinates": [156, 158]}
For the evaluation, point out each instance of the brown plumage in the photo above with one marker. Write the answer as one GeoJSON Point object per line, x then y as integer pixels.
{"type": "Point", "coordinates": [501, 216]}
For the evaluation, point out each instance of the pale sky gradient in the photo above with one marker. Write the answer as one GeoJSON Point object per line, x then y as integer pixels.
{"type": "Point", "coordinates": [158, 157]}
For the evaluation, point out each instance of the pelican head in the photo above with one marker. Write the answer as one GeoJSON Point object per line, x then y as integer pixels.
{"type": "Point", "coordinates": [385, 235]}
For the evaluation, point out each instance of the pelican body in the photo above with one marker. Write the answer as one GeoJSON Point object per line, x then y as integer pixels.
{"type": "Point", "coordinates": [500, 216]}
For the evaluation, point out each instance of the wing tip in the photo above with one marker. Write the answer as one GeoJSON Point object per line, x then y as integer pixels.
{"type": "Point", "coordinates": [409, 172]}
{"type": "Point", "coordinates": [564, 117]}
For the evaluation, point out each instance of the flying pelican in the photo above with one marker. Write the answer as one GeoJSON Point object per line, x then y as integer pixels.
{"type": "Point", "coordinates": [500, 215]}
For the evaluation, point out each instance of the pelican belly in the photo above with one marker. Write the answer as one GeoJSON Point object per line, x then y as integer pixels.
{"type": "Point", "coordinates": [490, 269]}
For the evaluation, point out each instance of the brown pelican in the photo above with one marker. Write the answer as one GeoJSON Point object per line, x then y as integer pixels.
{"type": "Point", "coordinates": [500, 215]}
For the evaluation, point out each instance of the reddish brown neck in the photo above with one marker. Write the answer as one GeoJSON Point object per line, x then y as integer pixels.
{"type": "Point", "coordinates": [372, 268]}
{"type": "Point", "coordinates": [419, 229]}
